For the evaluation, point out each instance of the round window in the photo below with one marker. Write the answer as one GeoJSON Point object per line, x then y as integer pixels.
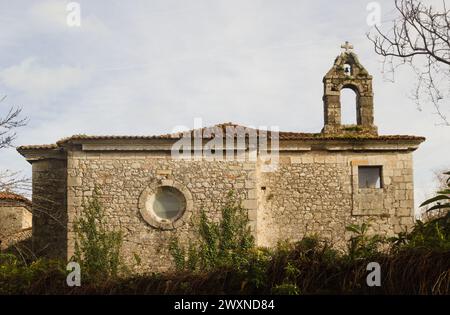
{"type": "Point", "coordinates": [167, 206]}
{"type": "Point", "coordinates": [167, 203]}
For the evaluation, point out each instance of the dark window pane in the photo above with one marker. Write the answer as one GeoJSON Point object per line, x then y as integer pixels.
{"type": "Point", "coordinates": [369, 176]}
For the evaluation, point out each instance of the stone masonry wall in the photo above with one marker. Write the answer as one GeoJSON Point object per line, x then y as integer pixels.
{"type": "Point", "coordinates": [311, 192]}
{"type": "Point", "coordinates": [50, 208]}
{"type": "Point", "coordinates": [317, 192]}
{"type": "Point", "coordinates": [121, 179]}
{"type": "Point", "coordinates": [13, 217]}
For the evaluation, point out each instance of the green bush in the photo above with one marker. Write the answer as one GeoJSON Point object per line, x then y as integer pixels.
{"type": "Point", "coordinates": [224, 260]}
{"type": "Point", "coordinates": [442, 200]}
{"type": "Point", "coordinates": [362, 245]}
{"type": "Point", "coordinates": [431, 235]}
{"type": "Point", "coordinates": [220, 244]}
{"type": "Point", "coordinates": [17, 277]}
{"type": "Point", "coordinates": [286, 289]}
{"type": "Point", "coordinates": [97, 249]}
{"type": "Point", "coordinates": [309, 266]}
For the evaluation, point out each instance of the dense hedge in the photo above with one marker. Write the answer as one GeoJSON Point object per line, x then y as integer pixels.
{"type": "Point", "coordinates": [225, 261]}
{"type": "Point", "coordinates": [307, 267]}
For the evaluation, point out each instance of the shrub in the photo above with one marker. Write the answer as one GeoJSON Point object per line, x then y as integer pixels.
{"type": "Point", "coordinates": [225, 260]}
{"type": "Point", "coordinates": [286, 289]}
{"type": "Point", "coordinates": [223, 243]}
{"type": "Point", "coordinates": [97, 249]}
{"type": "Point", "coordinates": [362, 245]}
{"type": "Point", "coordinates": [17, 277]}
{"type": "Point", "coordinates": [442, 200]}
{"type": "Point", "coordinates": [431, 235]}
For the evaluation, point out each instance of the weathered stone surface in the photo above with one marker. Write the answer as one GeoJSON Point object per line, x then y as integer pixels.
{"type": "Point", "coordinates": [50, 177]}
{"type": "Point", "coordinates": [312, 190]}
{"type": "Point", "coordinates": [347, 72]}
{"type": "Point", "coordinates": [302, 199]}
{"type": "Point", "coordinates": [207, 182]}
{"type": "Point", "coordinates": [298, 198]}
{"type": "Point", "coordinates": [15, 216]}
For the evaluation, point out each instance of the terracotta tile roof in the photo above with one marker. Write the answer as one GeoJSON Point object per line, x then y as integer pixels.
{"type": "Point", "coordinates": [6, 195]}
{"type": "Point", "coordinates": [282, 136]}
{"type": "Point", "coordinates": [209, 132]}
{"type": "Point", "coordinates": [38, 146]}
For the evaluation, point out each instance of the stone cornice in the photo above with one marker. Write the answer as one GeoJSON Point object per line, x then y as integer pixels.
{"type": "Point", "coordinates": [381, 143]}
{"type": "Point", "coordinates": [36, 153]}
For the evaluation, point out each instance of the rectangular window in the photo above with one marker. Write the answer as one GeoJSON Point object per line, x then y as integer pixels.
{"type": "Point", "coordinates": [369, 177]}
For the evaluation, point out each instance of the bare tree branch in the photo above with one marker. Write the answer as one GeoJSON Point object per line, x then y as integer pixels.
{"type": "Point", "coordinates": [14, 181]}
{"type": "Point", "coordinates": [10, 180]}
{"type": "Point", "coordinates": [419, 37]}
{"type": "Point", "coordinates": [8, 124]}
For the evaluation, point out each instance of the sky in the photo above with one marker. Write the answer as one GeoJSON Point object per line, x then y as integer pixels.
{"type": "Point", "coordinates": [146, 67]}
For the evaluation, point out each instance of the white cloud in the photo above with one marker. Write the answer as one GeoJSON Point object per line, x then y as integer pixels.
{"type": "Point", "coordinates": [51, 17]}
{"type": "Point", "coordinates": [40, 81]}
{"type": "Point", "coordinates": [50, 13]}
{"type": "Point", "coordinates": [158, 64]}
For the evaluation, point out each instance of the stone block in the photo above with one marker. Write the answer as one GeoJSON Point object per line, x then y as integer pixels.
{"type": "Point", "coordinates": [307, 159]}
{"type": "Point", "coordinates": [250, 204]}
{"type": "Point", "coordinates": [252, 193]}
{"type": "Point", "coordinates": [74, 181]}
{"type": "Point", "coordinates": [252, 214]}
{"type": "Point", "coordinates": [404, 212]}
{"type": "Point", "coordinates": [249, 184]}
{"type": "Point", "coordinates": [163, 172]}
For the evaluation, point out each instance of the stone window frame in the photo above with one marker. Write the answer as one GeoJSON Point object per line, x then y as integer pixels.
{"type": "Point", "coordinates": [358, 193]}
{"type": "Point", "coordinates": [165, 224]}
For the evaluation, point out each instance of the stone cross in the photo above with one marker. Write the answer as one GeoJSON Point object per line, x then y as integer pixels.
{"type": "Point", "coordinates": [347, 46]}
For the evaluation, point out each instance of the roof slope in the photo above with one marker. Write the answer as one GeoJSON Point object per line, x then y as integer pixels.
{"type": "Point", "coordinates": [6, 195]}
{"type": "Point", "coordinates": [221, 129]}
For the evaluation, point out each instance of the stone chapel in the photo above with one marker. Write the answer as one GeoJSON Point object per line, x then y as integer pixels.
{"type": "Point", "coordinates": [322, 183]}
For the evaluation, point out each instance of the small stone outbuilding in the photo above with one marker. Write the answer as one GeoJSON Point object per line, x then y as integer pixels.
{"type": "Point", "coordinates": [15, 218]}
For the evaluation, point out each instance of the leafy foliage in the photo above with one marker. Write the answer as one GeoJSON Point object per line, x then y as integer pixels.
{"type": "Point", "coordinates": [442, 200]}
{"type": "Point", "coordinates": [309, 266]}
{"type": "Point", "coordinates": [434, 235]}
{"type": "Point", "coordinates": [223, 243]}
{"type": "Point", "coordinates": [286, 289]}
{"type": "Point", "coordinates": [412, 263]}
{"type": "Point", "coordinates": [17, 277]}
{"type": "Point", "coordinates": [97, 249]}
{"type": "Point", "coordinates": [361, 245]}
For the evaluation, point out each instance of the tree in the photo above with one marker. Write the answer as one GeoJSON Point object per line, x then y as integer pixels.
{"type": "Point", "coordinates": [11, 180]}
{"type": "Point", "coordinates": [419, 37]}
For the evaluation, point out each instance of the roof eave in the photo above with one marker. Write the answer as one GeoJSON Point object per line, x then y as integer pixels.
{"type": "Point", "coordinates": [36, 153]}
